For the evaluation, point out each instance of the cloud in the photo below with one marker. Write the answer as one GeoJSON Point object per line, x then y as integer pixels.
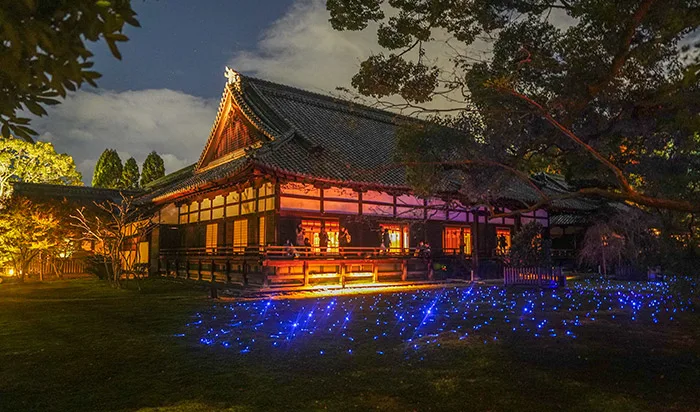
{"type": "Point", "coordinates": [301, 49]}
{"type": "Point", "coordinates": [174, 124]}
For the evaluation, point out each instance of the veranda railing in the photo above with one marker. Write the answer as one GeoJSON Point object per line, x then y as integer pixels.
{"type": "Point", "coordinates": [533, 276]}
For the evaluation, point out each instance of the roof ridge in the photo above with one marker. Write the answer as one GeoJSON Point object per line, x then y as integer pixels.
{"type": "Point", "coordinates": [332, 102]}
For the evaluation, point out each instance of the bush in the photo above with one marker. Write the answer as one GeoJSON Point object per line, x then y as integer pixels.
{"type": "Point", "coordinates": [529, 248]}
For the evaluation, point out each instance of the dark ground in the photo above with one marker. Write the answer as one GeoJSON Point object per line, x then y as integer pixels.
{"type": "Point", "coordinates": [80, 345]}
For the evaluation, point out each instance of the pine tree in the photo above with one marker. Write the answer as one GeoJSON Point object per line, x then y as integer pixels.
{"type": "Point", "coordinates": [108, 170]}
{"type": "Point", "coordinates": [152, 169]}
{"type": "Point", "coordinates": [130, 174]}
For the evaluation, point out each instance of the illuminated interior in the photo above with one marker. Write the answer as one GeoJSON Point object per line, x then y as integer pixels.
{"type": "Point", "coordinates": [312, 230]}
{"type": "Point", "coordinates": [398, 235]}
{"type": "Point", "coordinates": [502, 233]}
{"type": "Point", "coordinates": [457, 239]}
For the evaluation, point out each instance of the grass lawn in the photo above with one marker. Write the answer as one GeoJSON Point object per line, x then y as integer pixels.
{"type": "Point", "coordinates": [80, 345]}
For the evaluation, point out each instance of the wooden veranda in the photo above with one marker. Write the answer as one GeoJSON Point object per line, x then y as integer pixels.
{"type": "Point", "coordinates": [283, 268]}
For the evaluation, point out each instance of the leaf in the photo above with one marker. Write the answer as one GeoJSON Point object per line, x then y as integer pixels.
{"type": "Point", "coordinates": [35, 108]}
{"type": "Point", "coordinates": [113, 48]}
{"type": "Point", "coordinates": [5, 130]}
{"type": "Point", "coordinates": [50, 102]}
{"type": "Point", "coordinates": [117, 37]}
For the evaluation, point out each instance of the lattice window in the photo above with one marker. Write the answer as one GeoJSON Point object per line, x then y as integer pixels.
{"type": "Point", "coordinates": [240, 235]}
{"type": "Point", "coordinates": [235, 135]}
{"type": "Point", "coordinates": [261, 230]}
{"type": "Point", "coordinates": [211, 237]}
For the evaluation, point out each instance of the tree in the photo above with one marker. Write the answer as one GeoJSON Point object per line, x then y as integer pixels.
{"type": "Point", "coordinates": [153, 168]}
{"type": "Point", "coordinates": [529, 248]}
{"type": "Point", "coordinates": [610, 99]}
{"type": "Point", "coordinates": [108, 170]}
{"type": "Point", "coordinates": [130, 174]}
{"type": "Point", "coordinates": [117, 228]}
{"type": "Point", "coordinates": [26, 230]}
{"type": "Point", "coordinates": [43, 52]}
{"type": "Point", "coordinates": [620, 239]}
{"type": "Point", "coordinates": [38, 162]}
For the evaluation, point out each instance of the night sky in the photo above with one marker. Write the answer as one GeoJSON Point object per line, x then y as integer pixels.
{"type": "Point", "coordinates": [184, 45]}
{"type": "Point", "coordinates": [163, 95]}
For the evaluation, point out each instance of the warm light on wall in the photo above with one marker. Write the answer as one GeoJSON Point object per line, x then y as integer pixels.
{"type": "Point", "coordinates": [11, 272]}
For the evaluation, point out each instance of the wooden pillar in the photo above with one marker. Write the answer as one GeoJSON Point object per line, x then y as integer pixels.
{"type": "Point", "coordinates": [404, 270]}
{"type": "Point", "coordinates": [199, 269]}
{"type": "Point", "coordinates": [342, 275]}
{"type": "Point", "coordinates": [375, 272]}
{"type": "Point", "coordinates": [245, 273]}
{"type": "Point", "coordinates": [305, 269]}
{"type": "Point", "coordinates": [213, 269]}
{"type": "Point", "coordinates": [187, 268]}
{"type": "Point", "coordinates": [228, 271]}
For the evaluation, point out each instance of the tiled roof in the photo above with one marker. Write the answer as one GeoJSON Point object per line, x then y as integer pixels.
{"type": "Point", "coordinates": [324, 138]}
{"type": "Point", "coordinates": [190, 181]}
{"type": "Point", "coordinates": [567, 219]}
{"type": "Point", "coordinates": [332, 139]}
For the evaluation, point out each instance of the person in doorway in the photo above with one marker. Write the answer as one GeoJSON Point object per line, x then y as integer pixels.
{"type": "Point", "coordinates": [300, 236]}
{"type": "Point", "coordinates": [502, 244]}
{"type": "Point", "coordinates": [323, 240]}
{"type": "Point", "coordinates": [386, 241]}
{"type": "Point", "coordinates": [419, 249]}
{"type": "Point", "coordinates": [344, 237]}
{"type": "Point", "coordinates": [426, 250]}
{"type": "Point", "coordinates": [307, 246]}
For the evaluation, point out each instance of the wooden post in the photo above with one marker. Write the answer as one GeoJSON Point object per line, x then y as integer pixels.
{"type": "Point", "coordinates": [187, 269]}
{"type": "Point", "coordinates": [305, 268]}
{"type": "Point", "coordinates": [375, 272]}
{"type": "Point", "coordinates": [228, 271]}
{"type": "Point", "coordinates": [167, 267]}
{"type": "Point", "coordinates": [199, 269]}
{"type": "Point", "coordinates": [404, 270]}
{"type": "Point", "coordinates": [213, 268]}
{"type": "Point", "coordinates": [342, 275]}
{"type": "Point", "coordinates": [244, 266]}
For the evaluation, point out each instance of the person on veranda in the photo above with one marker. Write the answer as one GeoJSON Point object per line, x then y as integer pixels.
{"type": "Point", "coordinates": [386, 241]}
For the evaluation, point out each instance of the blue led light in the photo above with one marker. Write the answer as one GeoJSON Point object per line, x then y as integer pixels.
{"type": "Point", "coordinates": [419, 319]}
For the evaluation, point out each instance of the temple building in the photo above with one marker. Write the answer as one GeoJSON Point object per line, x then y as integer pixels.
{"type": "Point", "coordinates": [292, 190]}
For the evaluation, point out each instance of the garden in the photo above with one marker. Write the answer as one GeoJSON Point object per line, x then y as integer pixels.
{"type": "Point", "coordinates": [595, 345]}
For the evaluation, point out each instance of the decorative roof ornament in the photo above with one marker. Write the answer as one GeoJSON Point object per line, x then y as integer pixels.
{"type": "Point", "coordinates": [233, 77]}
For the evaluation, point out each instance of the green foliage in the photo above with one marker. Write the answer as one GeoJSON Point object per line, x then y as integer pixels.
{"type": "Point", "coordinates": [44, 53]}
{"type": "Point", "coordinates": [108, 170]}
{"type": "Point", "coordinates": [152, 169]}
{"type": "Point", "coordinates": [27, 229]}
{"type": "Point", "coordinates": [130, 174]}
{"type": "Point", "coordinates": [529, 248]}
{"type": "Point", "coordinates": [622, 76]}
{"type": "Point", "coordinates": [21, 161]}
